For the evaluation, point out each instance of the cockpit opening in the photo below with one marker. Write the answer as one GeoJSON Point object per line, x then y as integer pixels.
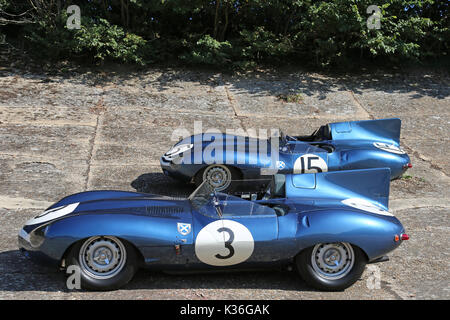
{"type": "Point", "coordinates": [260, 192]}
{"type": "Point", "coordinates": [321, 134]}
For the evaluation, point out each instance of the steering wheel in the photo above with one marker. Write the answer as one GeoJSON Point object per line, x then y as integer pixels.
{"type": "Point", "coordinates": [279, 210]}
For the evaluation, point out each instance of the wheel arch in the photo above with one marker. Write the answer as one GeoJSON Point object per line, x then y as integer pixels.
{"type": "Point", "coordinates": [65, 233]}
{"type": "Point", "coordinates": [373, 234]}
{"type": "Point", "coordinates": [138, 252]}
{"type": "Point", "coordinates": [312, 245]}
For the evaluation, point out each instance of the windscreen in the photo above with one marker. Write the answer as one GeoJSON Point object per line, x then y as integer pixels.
{"type": "Point", "coordinates": [238, 202]}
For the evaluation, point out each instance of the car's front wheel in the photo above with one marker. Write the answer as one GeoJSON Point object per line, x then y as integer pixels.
{"type": "Point", "coordinates": [105, 262]}
{"type": "Point", "coordinates": [331, 266]}
{"type": "Point", "coordinates": [219, 176]}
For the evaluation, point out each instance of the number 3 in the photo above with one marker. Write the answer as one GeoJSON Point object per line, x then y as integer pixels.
{"type": "Point", "coordinates": [227, 244]}
{"type": "Point", "coordinates": [224, 243]}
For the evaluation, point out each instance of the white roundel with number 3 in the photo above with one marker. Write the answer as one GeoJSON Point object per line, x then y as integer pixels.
{"type": "Point", "coordinates": [224, 243]}
{"type": "Point", "coordinates": [310, 163]}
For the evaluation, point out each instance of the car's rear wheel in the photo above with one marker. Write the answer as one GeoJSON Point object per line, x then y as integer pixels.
{"type": "Point", "coordinates": [331, 266]}
{"type": "Point", "coordinates": [219, 176]}
{"type": "Point", "coordinates": [105, 262]}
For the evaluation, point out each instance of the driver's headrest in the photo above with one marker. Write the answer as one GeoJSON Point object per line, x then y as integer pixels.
{"type": "Point", "coordinates": [327, 132]}
{"type": "Point", "coordinates": [278, 185]}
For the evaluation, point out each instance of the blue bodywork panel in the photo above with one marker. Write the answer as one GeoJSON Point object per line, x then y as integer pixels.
{"type": "Point", "coordinates": [341, 185]}
{"type": "Point", "coordinates": [384, 130]}
{"type": "Point", "coordinates": [294, 213]}
{"type": "Point", "coordinates": [333, 147]}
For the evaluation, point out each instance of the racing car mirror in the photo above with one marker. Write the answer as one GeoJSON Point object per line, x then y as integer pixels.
{"type": "Point", "coordinates": [216, 204]}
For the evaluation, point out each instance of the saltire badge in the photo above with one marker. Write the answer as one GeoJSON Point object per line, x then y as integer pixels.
{"type": "Point", "coordinates": [184, 228]}
{"type": "Point", "coordinates": [281, 165]}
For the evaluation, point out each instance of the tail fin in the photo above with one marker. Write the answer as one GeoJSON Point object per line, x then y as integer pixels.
{"type": "Point", "coordinates": [383, 130]}
{"type": "Point", "coordinates": [368, 184]}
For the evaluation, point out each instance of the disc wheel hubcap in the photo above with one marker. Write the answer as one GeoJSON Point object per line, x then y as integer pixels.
{"type": "Point", "coordinates": [332, 261]}
{"type": "Point", "coordinates": [102, 257]}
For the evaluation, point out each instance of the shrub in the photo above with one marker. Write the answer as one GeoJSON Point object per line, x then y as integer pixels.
{"type": "Point", "coordinates": [101, 40]}
{"type": "Point", "coordinates": [234, 33]}
{"type": "Point", "coordinates": [208, 51]}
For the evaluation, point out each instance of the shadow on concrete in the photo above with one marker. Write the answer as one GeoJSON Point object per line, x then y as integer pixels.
{"type": "Point", "coordinates": [158, 183]}
{"type": "Point", "coordinates": [429, 84]}
{"type": "Point", "coordinates": [269, 82]}
{"type": "Point", "coordinates": [18, 273]}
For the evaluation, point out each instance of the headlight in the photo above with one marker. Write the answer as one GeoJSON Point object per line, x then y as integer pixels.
{"type": "Point", "coordinates": [176, 150]}
{"type": "Point", "coordinates": [37, 236]}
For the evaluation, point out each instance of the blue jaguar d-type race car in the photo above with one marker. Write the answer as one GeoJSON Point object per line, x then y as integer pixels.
{"type": "Point", "coordinates": [221, 158]}
{"type": "Point", "coordinates": [328, 225]}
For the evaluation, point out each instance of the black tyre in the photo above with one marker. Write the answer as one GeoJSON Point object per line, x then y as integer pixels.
{"type": "Point", "coordinates": [331, 266]}
{"type": "Point", "coordinates": [219, 176]}
{"type": "Point", "coordinates": [105, 263]}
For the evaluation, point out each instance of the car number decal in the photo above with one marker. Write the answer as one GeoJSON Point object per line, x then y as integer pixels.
{"type": "Point", "coordinates": [389, 147]}
{"type": "Point", "coordinates": [224, 243]}
{"type": "Point", "coordinates": [365, 205]}
{"type": "Point", "coordinates": [310, 163]}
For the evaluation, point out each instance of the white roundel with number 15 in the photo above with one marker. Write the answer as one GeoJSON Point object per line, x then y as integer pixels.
{"type": "Point", "coordinates": [224, 243]}
{"type": "Point", "coordinates": [310, 163]}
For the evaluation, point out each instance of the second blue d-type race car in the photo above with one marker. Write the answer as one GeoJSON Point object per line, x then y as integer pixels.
{"type": "Point", "coordinates": [333, 147]}
{"type": "Point", "coordinates": [328, 225]}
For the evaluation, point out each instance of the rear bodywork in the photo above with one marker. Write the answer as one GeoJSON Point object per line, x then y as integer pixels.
{"type": "Point", "coordinates": [333, 147]}
{"type": "Point", "coordinates": [184, 234]}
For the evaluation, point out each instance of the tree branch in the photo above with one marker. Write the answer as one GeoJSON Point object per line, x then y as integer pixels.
{"type": "Point", "coordinates": [4, 22]}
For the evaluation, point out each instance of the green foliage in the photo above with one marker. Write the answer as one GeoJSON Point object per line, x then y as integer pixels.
{"type": "Point", "coordinates": [236, 33]}
{"type": "Point", "coordinates": [291, 97]}
{"type": "Point", "coordinates": [96, 40]}
{"type": "Point", "coordinates": [102, 41]}
{"type": "Point", "coordinates": [48, 42]}
{"type": "Point", "coordinates": [208, 50]}
{"type": "Point", "coordinates": [261, 44]}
